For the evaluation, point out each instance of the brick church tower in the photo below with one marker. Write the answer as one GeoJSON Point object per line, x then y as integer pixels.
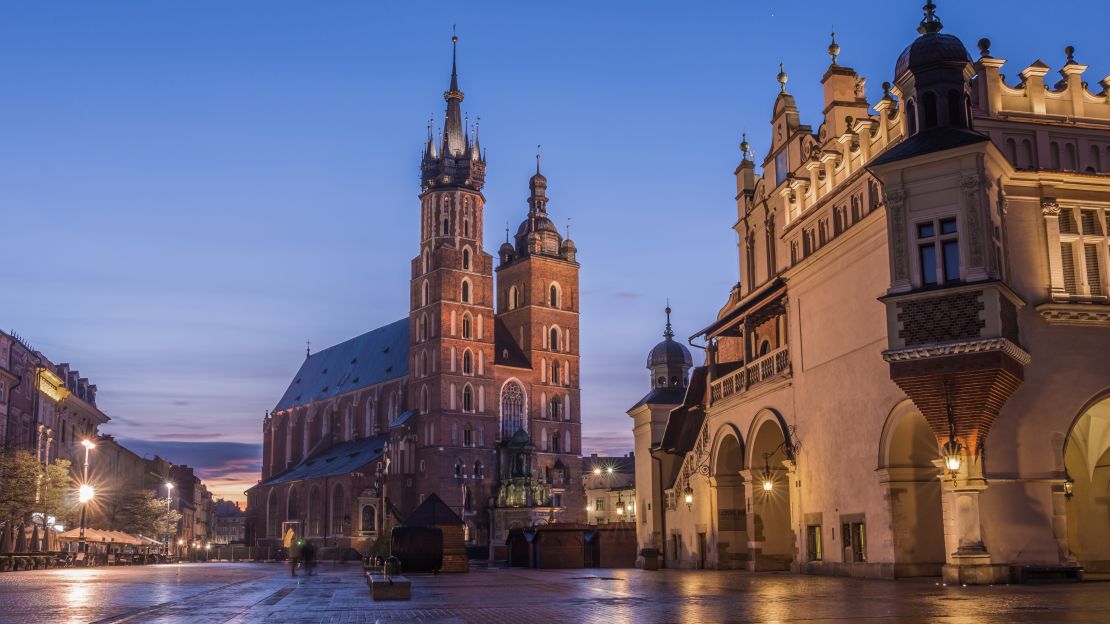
{"type": "Point", "coordinates": [450, 330]}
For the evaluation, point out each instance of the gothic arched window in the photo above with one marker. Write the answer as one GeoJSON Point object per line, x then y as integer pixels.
{"type": "Point", "coordinates": [272, 514]}
{"type": "Point", "coordinates": [422, 329]}
{"type": "Point", "coordinates": [555, 408]}
{"type": "Point", "coordinates": [468, 399]}
{"type": "Point", "coordinates": [466, 259]}
{"type": "Point", "coordinates": [514, 298]}
{"type": "Point", "coordinates": [424, 400]}
{"type": "Point", "coordinates": [553, 296]}
{"type": "Point", "coordinates": [555, 444]}
{"type": "Point", "coordinates": [425, 293]}
{"type": "Point", "coordinates": [555, 372]}
{"type": "Point", "coordinates": [468, 363]}
{"type": "Point", "coordinates": [369, 519]}
{"type": "Point", "coordinates": [315, 512]}
{"type": "Point", "coordinates": [339, 515]}
{"type": "Point", "coordinates": [423, 363]}
{"type": "Point", "coordinates": [466, 326]}
{"type": "Point", "coordinates": [466, 291]}
{"type": "Point", "coordinates": [554, 339]}
{"type": "Point", "coordinates": [512, 409]}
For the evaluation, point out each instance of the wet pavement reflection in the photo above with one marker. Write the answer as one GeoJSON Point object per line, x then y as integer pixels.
{"type": "Point", "coordinates": [224, 592]}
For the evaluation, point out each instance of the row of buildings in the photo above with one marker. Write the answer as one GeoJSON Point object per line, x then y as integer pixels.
{"type": "Point", "coordinates": [49, 409]}
{"type": "Point", "coordinates": [909, 377]}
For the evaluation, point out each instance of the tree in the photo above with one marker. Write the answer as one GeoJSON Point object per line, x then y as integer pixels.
{"type": "Point", "coordinates": [21, 476]}
{"type": "Point", "coordinates": [147, 514]}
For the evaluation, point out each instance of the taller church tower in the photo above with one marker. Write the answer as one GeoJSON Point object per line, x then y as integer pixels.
{"type": "Point", "coordinates": [446, 440]}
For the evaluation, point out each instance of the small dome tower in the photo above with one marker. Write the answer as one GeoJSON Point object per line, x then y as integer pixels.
{"type": "Point", "coordinates": [669, 361]}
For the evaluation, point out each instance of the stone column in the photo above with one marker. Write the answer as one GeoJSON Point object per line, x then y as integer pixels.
{"type": "Point", "coordinates": [755, 538]}
{"type": "Point", "coordinates": [970, 562]}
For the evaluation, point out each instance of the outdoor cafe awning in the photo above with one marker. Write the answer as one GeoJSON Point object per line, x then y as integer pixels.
{"type": "Point", "coordinates": [100, 536]}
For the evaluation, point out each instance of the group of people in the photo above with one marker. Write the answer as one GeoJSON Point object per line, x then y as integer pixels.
{"type": "Point", "coordinates": [302, 551]}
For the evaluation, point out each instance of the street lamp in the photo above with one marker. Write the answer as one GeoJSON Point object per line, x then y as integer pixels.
{"type": "Point", "coordinates": [689, 494]}
{"type": "Point", "coordinates": [85, 493]}
{"type": "Point", "coordinates": [620, 505]}
{"type": "Point", "coordinates": [169, 502]}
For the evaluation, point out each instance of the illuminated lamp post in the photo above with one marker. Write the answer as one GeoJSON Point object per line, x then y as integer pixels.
{"type": "Point", "coordinates": [85, 493]}
{"type": "Point", "coordinates": [169, 503]}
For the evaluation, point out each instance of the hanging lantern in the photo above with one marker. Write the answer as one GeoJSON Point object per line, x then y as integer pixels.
{"type": "Point", "coordinates": [768, 484]}
{"type": "Point", "coordinates": [1069, 488]}
{"type": "Point", "coordinates": [689, 494]}
{"type": "Point", "coordinates": [953, 457]}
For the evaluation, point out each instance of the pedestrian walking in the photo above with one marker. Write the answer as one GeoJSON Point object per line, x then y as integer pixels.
{"type": "Point", "coordinates": [296, 552]}
{"type": "Point", "coordinates": [308, 553]}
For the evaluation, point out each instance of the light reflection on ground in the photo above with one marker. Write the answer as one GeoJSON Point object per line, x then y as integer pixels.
{"type": "Point", "coordinates": [221, 592]}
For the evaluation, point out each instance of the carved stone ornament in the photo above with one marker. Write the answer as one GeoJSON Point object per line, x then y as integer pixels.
{"type": "Point", "coordinates": [947, 349]}
{"type": "Point", "coordinates": [972, 186]}
{"type": "Point", "coordinates": [1049, 207]}
{"type": "Point", "coordinates": [895, 200]}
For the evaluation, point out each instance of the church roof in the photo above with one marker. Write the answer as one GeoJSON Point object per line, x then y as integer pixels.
{"type": "Point", "coordinates": [432, 512]}
{"type": "Point", "coordinates": [376, 356]}
{"type": "Point", "coordinates": [334, 460]}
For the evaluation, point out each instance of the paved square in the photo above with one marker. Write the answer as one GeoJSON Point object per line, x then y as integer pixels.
{"type": "Point", "coordinates": [225, 592]}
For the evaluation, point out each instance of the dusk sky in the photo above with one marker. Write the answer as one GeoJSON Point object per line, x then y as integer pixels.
{"type": "Point", "coordinates": [190, 191]}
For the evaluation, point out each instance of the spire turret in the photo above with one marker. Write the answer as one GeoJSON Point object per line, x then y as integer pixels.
{"type": "Point", "coordinates": [459, 160]}
{"type": "Point", "coordinates": [668, 332]}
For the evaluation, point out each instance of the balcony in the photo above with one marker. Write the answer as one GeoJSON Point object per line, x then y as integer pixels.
{"type": "Point", "coordinates": [767, 367]}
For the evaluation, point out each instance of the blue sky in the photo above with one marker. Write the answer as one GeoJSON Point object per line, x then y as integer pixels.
{"type": "Point", "coordinates": [189, 191]}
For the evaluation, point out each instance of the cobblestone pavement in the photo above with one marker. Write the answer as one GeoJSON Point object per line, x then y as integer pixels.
{"type": "Point", "coordinates": [225, 592]}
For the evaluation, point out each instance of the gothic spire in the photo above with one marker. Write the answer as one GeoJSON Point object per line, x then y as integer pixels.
{"type": "Point", "coordinates": [454, 142]}
{"type": "Point", "coordinates": [668, 332]}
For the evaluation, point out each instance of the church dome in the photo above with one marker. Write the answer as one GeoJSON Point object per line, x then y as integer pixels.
{"type": "Point", "coordinates": [931, 48]}
{"type": "Point", "coordinates": [669, 352]}
{"type": "Point", "coordinates": [536, 224]}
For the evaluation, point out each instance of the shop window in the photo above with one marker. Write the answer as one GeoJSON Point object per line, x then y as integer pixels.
{"type": "Point", "coordinates": [813, 542]}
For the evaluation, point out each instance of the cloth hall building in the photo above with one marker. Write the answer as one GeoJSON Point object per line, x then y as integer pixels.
{"type": "Point", "coordinates": [473, 396]}
{"type": "Point", "coordinates": [910, 377]}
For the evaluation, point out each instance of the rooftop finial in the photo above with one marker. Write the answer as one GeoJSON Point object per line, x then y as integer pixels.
{"type": "Point", "coordinates": [307, 348]}
{"type": "Point", "coordinates": [985, 47]}
{"type": "Point", "coordinates": [538, 159]}
{"type": "Point", "coordinates": [668, 333]}
{"type": "Point", "coordinates": [568, 228]}
{"type": "Point", "coordinates": [1070, 51]}
{"type": "Point", "coordinates": [454, 47]}
{"type": "Point", "coordinates": [834, 47]}
{"type": "Point", "coordinates": [782, 78]}
{"type": "Point", "coordinates": [930, 23]}
{"type": "Point", "coordinates": [745, 147]}
{"type": "Point", "coordinates": [506, 231]}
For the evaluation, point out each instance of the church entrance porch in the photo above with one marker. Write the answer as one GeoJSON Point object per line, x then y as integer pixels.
{"type": "Point", "coordinates": [768, 494]}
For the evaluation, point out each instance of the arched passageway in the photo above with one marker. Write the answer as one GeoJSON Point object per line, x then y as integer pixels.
{"type": "Point", "coordinates": [728, 489]}
{"type": "Point", "coordinates": [769, 525]}
{"type": "Point", "coordinates": [914, 492]}
{"type": "Point", "coordinates": [1087, 461]}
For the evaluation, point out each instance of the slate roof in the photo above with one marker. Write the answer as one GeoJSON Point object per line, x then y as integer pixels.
{"type": "Point", "coordinates": [432, 512]}
{"type": "Point", "coordinates": [506, 349]}
{"type": "Point", "coordinates": [662, 396]}
{"type": "Point", "coordinates": [929, 141]}
{"type": "Point", "coordinates": [684, 423]}
{"type": "Point", "coordinates": [335, 460]}
{"type": "Point", "coordinates": [376, 356]}
{"type": "Point", "coordinates": [402, 419]}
